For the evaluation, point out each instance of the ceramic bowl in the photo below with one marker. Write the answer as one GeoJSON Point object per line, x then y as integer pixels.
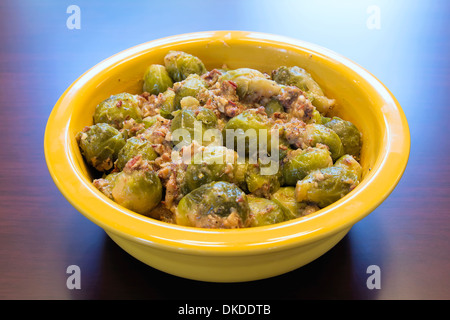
{"type": "Point", "coordinates": [240, 254]}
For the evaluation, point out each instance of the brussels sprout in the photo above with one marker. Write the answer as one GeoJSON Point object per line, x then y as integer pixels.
{"type": "Point", "coordinates": [187, 119]}
{"type": "Point", "coordinates": [325, 186]}
{"type": "Point", "coordinates": [132, 148]}
{"type": "Point", "coordinates": [264, 212]}
{"type": "Point", "coordinates": [349, 162]}
{"type": "Point", "coordinates": [316, 117]}
{"type": "Point", "coordinates": [285, 198]}
{"type": "Point", "coordinates": [106, 184]}
{"type": "Point", "coordinates": [100, 144]}
{"type": "Point", "coordinates": [273, 106]}
{"type": "Point", "coordinates": [214, 163]}
{"type": "Point", "coordinates": [189, 103]}
{"type": "Point", "coordinates": [295, 76]}
{"type": "Point", "coordinates": [118, 108]}
{"type": "Point", "coordinates": [180, 65]}
{"type": "Point", "coordinates": [348, 133]}
{"type": "Point", "coordinates": [167, 103]}
{"type": "Point", "coordinates": [156, 79]}
{"type": "Point", "coordinates": [301, 162]}
{"type": "Point", "coordinates": [138, 190]}
{"type": "Point", "coordinates": [217, 204]}
{"type": "Point", "coordinates": [261, 185]}
{"type": "Point", "coordinates": [149, 121]}
{"type": "Point", "coordinates": [190, 87]}
{"type": "Point", "coordinates": [251, 132]}
{"type": "Point", "coordinates": [318, 133]}
{"type": "Point", "coordinates": [251, 84]}
{"type": "Point", "coordinates": [325, 120]}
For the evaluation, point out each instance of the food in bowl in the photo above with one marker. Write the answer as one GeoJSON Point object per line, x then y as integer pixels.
{"type": "Point", "coordinates": [240, 254]}
{"type": "Point", "coordinates": [222, 148]}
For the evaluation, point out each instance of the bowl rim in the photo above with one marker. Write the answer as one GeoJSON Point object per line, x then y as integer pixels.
{"type": "Point", "coordinates": [78, 190]}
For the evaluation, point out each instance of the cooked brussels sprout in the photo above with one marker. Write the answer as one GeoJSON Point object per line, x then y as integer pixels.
{"type": "Point", "coordinates": [325, 186]}
{"type": "Point", "coordinates": [348, 133]}
{"type": "Point", "coordinates": [273, 106]}
{"type": "Point", "coordinates": [190, 87]}
{"type": "Point", "coordinates": [187, 119]}
{"type": "Point", "coordinates": [349, 162]}
{"type": "Point", "coordinates": [285, 198]}
{"type": "Point", "coordinates": [156, 79]}
{"type": "Point", "coordinates": [189, 103]}
{"type": "Point", "coordinates": [149, 121]}
{"type": "Point", "coordinates": [318, 133]}
{"type": "Point", "coordinates": [180, 65]}
{"type": "Point", "coordinates": [118, 108]}
{"type": "Point", "coordinates": [261, 185]}
{"type": "Point", "coordinates": [264, 212]}
{"type": "Point", "coordinates": [100, 144]}
{"type": "Point", "coordinates": [251, 132]}
{"type": "Point", "coordinates": [316, 117]}
{"type": "Point", "coordinates": [226, 148]}
{"type": "Point", "coordinates": [296, 76]}
{"type": "Point", "coordinates": [106, 183]}
{"type": "Point", "coordinates": [138, 190]}
{"type": "Point", "coordinates": [217, 204]}
{"type": "Point", "coordinates": [167, 104]}
{"type": "Point", "coordinates": [251, 84]}
{"type": "Point", "coordinates": [301, 162]}
{"type": "Point", "coordinates": [135, 146]}
{"type": "Point", "coordinates": [214, 163]}
{"type": "Point", "coordinates": [325, 120]}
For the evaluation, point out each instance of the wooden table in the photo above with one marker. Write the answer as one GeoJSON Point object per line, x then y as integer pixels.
{"type": "Point", "coordinates": [403, 43]}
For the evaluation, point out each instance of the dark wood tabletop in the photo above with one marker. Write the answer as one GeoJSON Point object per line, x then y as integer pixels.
{"type": "Point", "coordinates": [46, 45]}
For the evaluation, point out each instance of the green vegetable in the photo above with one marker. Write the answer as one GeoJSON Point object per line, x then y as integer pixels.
{"type": "Point", "coordinates": [190, 87]}
{"type": "Point", "coordinates": [214, 163]}
{"type": "Point", "coordinates": [100, 144]}
{"type": "Point", "coordinates": [251, 84]}
{"type": "Point", "coordinates": [301, 162]}
{"type": "Point", "coordinates": [325, 186]}
{"type": "Point", "coordinates": [194, 122]}
{"type": "Point", "coordinates": [138, 190]}
{"type": "Point", "coordinates": [285, 198]}
{"type": "Point", "coordinates": [149, 121]}
{"type": "Point", "coordinates": [168, 104]}
{"type": "Point", "coordinates": [251, 133]}
{"type": "Point", "coordinates": [118, 108]}
{"type": "Point", "coordinates": [273, 106]}
{"type": "Point", "coordinates": [296, 76]}
{"type": "Point", "coordinates": [156, 79]}
{"type": "Point", "coordinates": [180, 65]}
{"type": "Point", "coordinates": [349, 162]}
{"type": "Point", "coordinates": [133, 147]}
{"type": "Point", "coordinates": [106, 183]}
{"type": "Point", "coordinates": [264, 212]}
{"type": "Point", "coordinates": [261, 185]}
{"type": "Point", "coordinates": [214, 205]}
{"type": "Point", "coordinates": [348, 133]}
{"type": "Point", "coordinates": [320, 134]}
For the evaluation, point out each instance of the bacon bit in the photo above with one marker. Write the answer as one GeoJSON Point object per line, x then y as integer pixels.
{"type": "Point", "coordinates": [145, 95]}
{"type": "Point", "coordinates": [164, 173]}
{"type": "Point", "coordinates": [119, 104]}
{"type": "Point", "coordinates": [166, 157]}
{"type": "Point", "coordinates": [234, 84]}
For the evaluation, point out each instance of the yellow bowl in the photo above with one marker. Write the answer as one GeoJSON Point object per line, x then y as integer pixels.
{"type": "Point", "coordinates": [243, 254]}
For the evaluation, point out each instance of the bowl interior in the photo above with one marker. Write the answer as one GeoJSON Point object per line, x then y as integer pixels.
{"type": "Point", "coordinates": [360, 98]}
